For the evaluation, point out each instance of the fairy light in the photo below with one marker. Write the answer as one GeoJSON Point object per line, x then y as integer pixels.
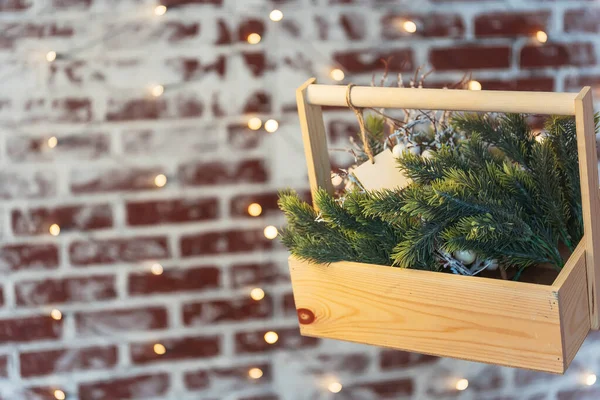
{"type": "Point", "coordinates": [50, 56]}
{"type": "Point", "coordinates": [56, 314]}
{"type": "Point", "coordinates": [271, 337]}
{"type": "Point", "coordinates": [462, 384]}
{"type": "Point", "coordinates": [409, 26]}
{"type": "Point", "coordinates": [271, 125]}
{"type": "Point", "coordinates": [59, 395]}
{"type": "Point", "coordinates": [541, 36]}
{"type": "Point", "coordinates": [254, 123]}
{"type": "Point", "coordinates": [159, 349]}
{"type": "Point", "coordinates": [334, 387]}
{"type": "Point", "coordinates": [337, 74]}
{"type": "Point", "coordinates": [160, 10]}
{"type": "Point", "coordinates": [270, 232]}
{"type": "Point", "coordinates": [54, 229]}
{"type": "Point", "coordinates": [255, 373]}
{"type": "Point", "coordinates": [254, 210]}
{"type": "Point", "coordinates": [52, 142]}
{"type": "Point", "coordinates": [590, 379]}
{"type": "Point", "coordinates": [276, 15]}
{"type": "Point", "coordinates": [336, 180]}
{"type": "Point", "coordinates": [160, 180]}
{"type": "Point", "coordinates": [257, 294]}
{"type": "Point", "coordinates": [158, 90]}
{"type": "Point", "coordinates": [253, 38]}
{"type": "Point", "coordinates": [474, 85]}
{"type": "Point", "coordinates": [156, 269]}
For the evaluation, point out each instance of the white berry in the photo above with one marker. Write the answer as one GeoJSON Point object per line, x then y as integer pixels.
{"type": "Point", "coordinates": [398, 150]}
{"type": "Point", "coordinates": [465, 256]}
{"type": "Point", "coordinates": [428, 154]}
{"type": "Point", "coordinates": [416, 149]}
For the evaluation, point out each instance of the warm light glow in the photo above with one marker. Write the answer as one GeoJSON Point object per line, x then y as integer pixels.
{"type": "Point", "coordinates": [54, 230]}
{"type": "Point", "coordinates": [257, 294]}
{"type": "Point", "coordinates": [541, 36]}
{"type": "Point", "coordinates": [271, 337]}
{"type": "Point", "coordinates": [254, 210]}
{"type": "Point", "coordinates": [276, 15]}
{"type": "Point", "coordinates": [409, 26]}
{"type": "Point", "coordinates": [160, 180]}
{"type": "Point", "coordinates": [56, 314]}
{"type": "Point", "coordinates": [335, 387]}
{"type": "Point", "coordinates": [462, 384]}
{"type": "Point", "coordinates": [51, 56]}
{"type": "Point", "coordinates": [254, 38]}
{"type": "Point", "coordinates": [156, 269]}
{"type": "Point", "coordinates": [271, 125]}
{"type": "Point", "coordinates": [52, 142]}
{"type": "Point", "coordinates": [159, 349]}
{"type": "Point", "coordinates": [254, 123]}
{"type": "Point", "coordinates": [158, 90]}
{"type": "Point", "coordinates": [59, 395]}
{"type": "Point", "coordinates": [337, 74]}
{"type": "Point", "coordinates": [474, 85]}
{"type": "Point", "coordinates": [255, 373]}
{"type": "Point", "coordinates": [270, 232]}
{"type": "Point", "coordinates": [590, 379]}
{"type": "Point", "coordinates": [160, 10]}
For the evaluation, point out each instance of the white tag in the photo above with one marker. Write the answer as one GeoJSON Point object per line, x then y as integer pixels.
{"type": "Point", "coordinates": [384, 174]}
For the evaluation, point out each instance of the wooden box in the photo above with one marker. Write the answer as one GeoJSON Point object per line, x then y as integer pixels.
{"type": "Point", "coordinates": [516, 324]}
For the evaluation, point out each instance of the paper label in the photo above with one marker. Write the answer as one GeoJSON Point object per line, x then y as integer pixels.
{"type": "Point", "coordinates": [384, 174]}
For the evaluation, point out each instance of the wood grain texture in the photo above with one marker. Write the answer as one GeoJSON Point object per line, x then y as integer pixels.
{"type": "Point", "coordinates": [590, 200]}
{"type": "Point", "coordinates": [444, 99]}
{"type": "Point", "coordinates": [573, 303]}
{"type": "Point", "coordinates": [314, 137]}
{"type": "Point", "coordinates": [502, 322]}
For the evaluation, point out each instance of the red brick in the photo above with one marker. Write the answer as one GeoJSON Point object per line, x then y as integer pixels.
{"type": "Point", "coordinates": [582, 393]}
{"type": "Point", "coordinates": [4, 366]}
{"type": "Point", "coordinates": [545, 84]}
{"type": "Point", "coordinates": [17, 257]}
{"type": "Point", "coordinates": [105, 322]}
{"type": "Point", "coordinates": [235, 241]}
{"type": "Point", "coordinates": [289, 304]}
{"type": "Point", "coordinates": [73, 147]}
{"type": "Point", "coordinates": [268, 201]}
{"type": "Point", "coordinates": [223, 173]}
{"type": "Point", "coordinates": [204, 313]}
{"type": "Point", "coordinates": [37, 363]}
{"type": "Point", "coordinates": [258, 102]}
{"type": "Point", "coordinates": [179, 3]}
{"type": "Point", "coordinates": [135, 387]}
{"type": "Point", "coordinates": [340, 130]}
{"type": "Point", "coordinates": [249, 26]}
{"type": "Point", "coordinates": [558, 55]}
{"type": "Point", "coordinates": [75, 110]}
{"type": "Point", "coordinates": [181, 105]}
{"type": "Point", "coordinates": [511, 23]}
{"type": "Point", "coordinates": [11, 32]}
{"type": "Point", "coordinates": [68, 290]}
{"type": "Point", "coordinates": [394, 359]}
{"type": "Point", "coordinates": [101, 180]}
{"type": "Point", "coordinates": [185, 348]}
{"type": "Point", "coordinates": [227, 380]}
{"type": "Point", "coordinates": [353, 363]}
{"type": "Point", "coordinates": [15, 5]}
{"type": "Point", "coordinates": [223, 33]}
{"type": "Point", "coordinates": [470, 57]}
{"type": "Point", "coordinates": [576, 82]}
{"type": "Point", "coordinates": [257, 274]}
{"type": "Point", "coordinates": [36, 393]}
{"type": "Point", "coordinates": [390, 389]}
{"type": "Point", "coordinates": [257, 63]}
{"type": "Point", "coordinates": [583, 20]}
{"type": "Point", "coordinates": [171, 211]}
{"type": "Point", "coordinates": [193, 68]}
{"type": "Point", "coordinates": [168, 141]}
{"type": "Point", "coordinates": [368, 61]}
{"type": "Point", "coordinates": [525, 377]}
{"type": "Point", "coordinates": [110, 251]}
{"type": "Point", "coordinates": [37, 221]}
{"type": "Point", "coordinates": [353, 25]}
{"type": "Point", "coordinates": [175, 280]}
{"type": "Point", "coordinates": [428, 25]}
{"type": "Point", "coordinates": [177, 30]}
{"type": "Point", "coordinates": [29, 329]}
{"type": "Point", "coordinates": [289, 339]}
{"type": "Point", "coordinates": [241, 137]}
{"type": "Point", "coordinates": [27, 184]}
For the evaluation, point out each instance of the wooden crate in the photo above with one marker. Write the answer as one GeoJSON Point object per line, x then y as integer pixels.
{"type": "Point", "coordinates": [516, 324]}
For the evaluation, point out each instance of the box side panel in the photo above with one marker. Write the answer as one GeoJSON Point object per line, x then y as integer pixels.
{"type": "Point", "coordinates": [501, 322]}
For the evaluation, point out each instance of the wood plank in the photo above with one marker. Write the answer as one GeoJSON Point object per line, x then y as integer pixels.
{"type": "Point", "coordinates": [573, 303]}
{"type": "Point", "coordinates": [503, 322]}
{"type": "Point", "coordinates": [590, 201]}
{"type": "Point", "coordinates": [444, 99]}
{"type": "Point", "coordinates": [314, 137]}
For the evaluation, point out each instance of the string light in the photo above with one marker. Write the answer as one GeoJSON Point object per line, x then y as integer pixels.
{"type": "Point", "coordinates": [462, 384]}
{"type": "Point", "coordinates": [257, 294]}
{"type": "Point", "coordinates": [271, 125]}
{"type": "Point", "coordinates": [254, 123]}
{"type": "Point", "coordinates": [50, 56]}
{"type": "Point", "coordinates": [336, 180]}
{"type": "Point", "coordinates": [409, 26]}
{"type": "Point", "coordinates": [54, 229]}
{"type": "Point", "coordinates": [159, 349]}
{"type": "Point", "coordinates": [52, 142]}
{"type": "Point", "coordinates": [270, 232]}
{"type": "Point", "coordinates": [474, 85]}
{"type": "Point", "coordinates": [337, 74]}
{"type": "Point", "coordinates": [254, 38]}
{"type": "Point", "coordinates": [276, 15]}
{"type": "Point", "coordinates": [56, 314]}
{"type": "Point", "coordinates": [254, 210]}
{"type": "Point", "coordinates": [271, 337]}
{"type": "Point", "coordinates": [590, 379]}
{"type": "Point", "coordinates": [160, 10]}
{"type": "Point", "coordinates": [160, 180]}
{"type": "Point", "coordinates": [255, 373]}
{"type": "Point", "coordinates": [334, 387]}
{"type": "Point", "coordinates": [541, 36]}
{"type": "Point", "coordinates": [156, 269]}
{"type": "Point", "coordinates": [158, 90]}
{"type": "Point", "coordinates": [59, 395]}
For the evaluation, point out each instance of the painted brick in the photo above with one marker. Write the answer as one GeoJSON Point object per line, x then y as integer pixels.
{"type": "Point", "coordinates": [583, 20]}
{"type": "Point", "coordinates": [257, 274]}
{"type": "Point", "coordinates": [67, 290]}
{"type": "Point", "coordinates": [88, 146]}
{"type": "Point", "coordinates": [118, 250]}
{"type": "Point", "coordinates": [27, 184]}
{"type": "Point", "coordinates": [558, 55]}
{"type": "Point", "coordinates": [38, 363]}
{"type": "Point", "coordinates": [113, 179]}
{"type": "Point", "coordinates": [470, 57]}
{"type": "Point", "coordinates": [204, 313]}
{"type": "Point", "coordinates": [28, 329]}
{"type": "Point", "coordinates": [171, 211]}
{"type": "Point", "coordinates": [17, 257]}
{"type": "Point", "coordinates": [175, 280]}
{"type": "Point", "coordinates": [220, 173]}
{"type": "Point", "coordinates": [176, 349]}
{"type": "Point", "coordinates": [388, 389]}
{"type": "Point", "coordinates": [37, 221]}
{"type": "Point", "coordinates": [289, 339]}
{"type": "Point", "coordinates": [105, 322]}
{"type": "Point", "coordinates": [369, 61]}
{"type": "Point", "coordinates": [135, 387]}
{"type": "Point", "coordinates": [428, 25]}
{"type": "Point", "coordinates": [227, 380]}
{"type": "Point", "coordinates": [235, 241]}
{"type": "Point", "coordinates": [511, 24]}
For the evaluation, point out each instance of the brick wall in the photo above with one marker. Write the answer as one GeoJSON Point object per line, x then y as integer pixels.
{"type": "Point", "coordinates": [192, 331]}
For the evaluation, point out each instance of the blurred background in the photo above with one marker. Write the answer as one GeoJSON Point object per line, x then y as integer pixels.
{"type": "Point", "coordinates": [142, 145]}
